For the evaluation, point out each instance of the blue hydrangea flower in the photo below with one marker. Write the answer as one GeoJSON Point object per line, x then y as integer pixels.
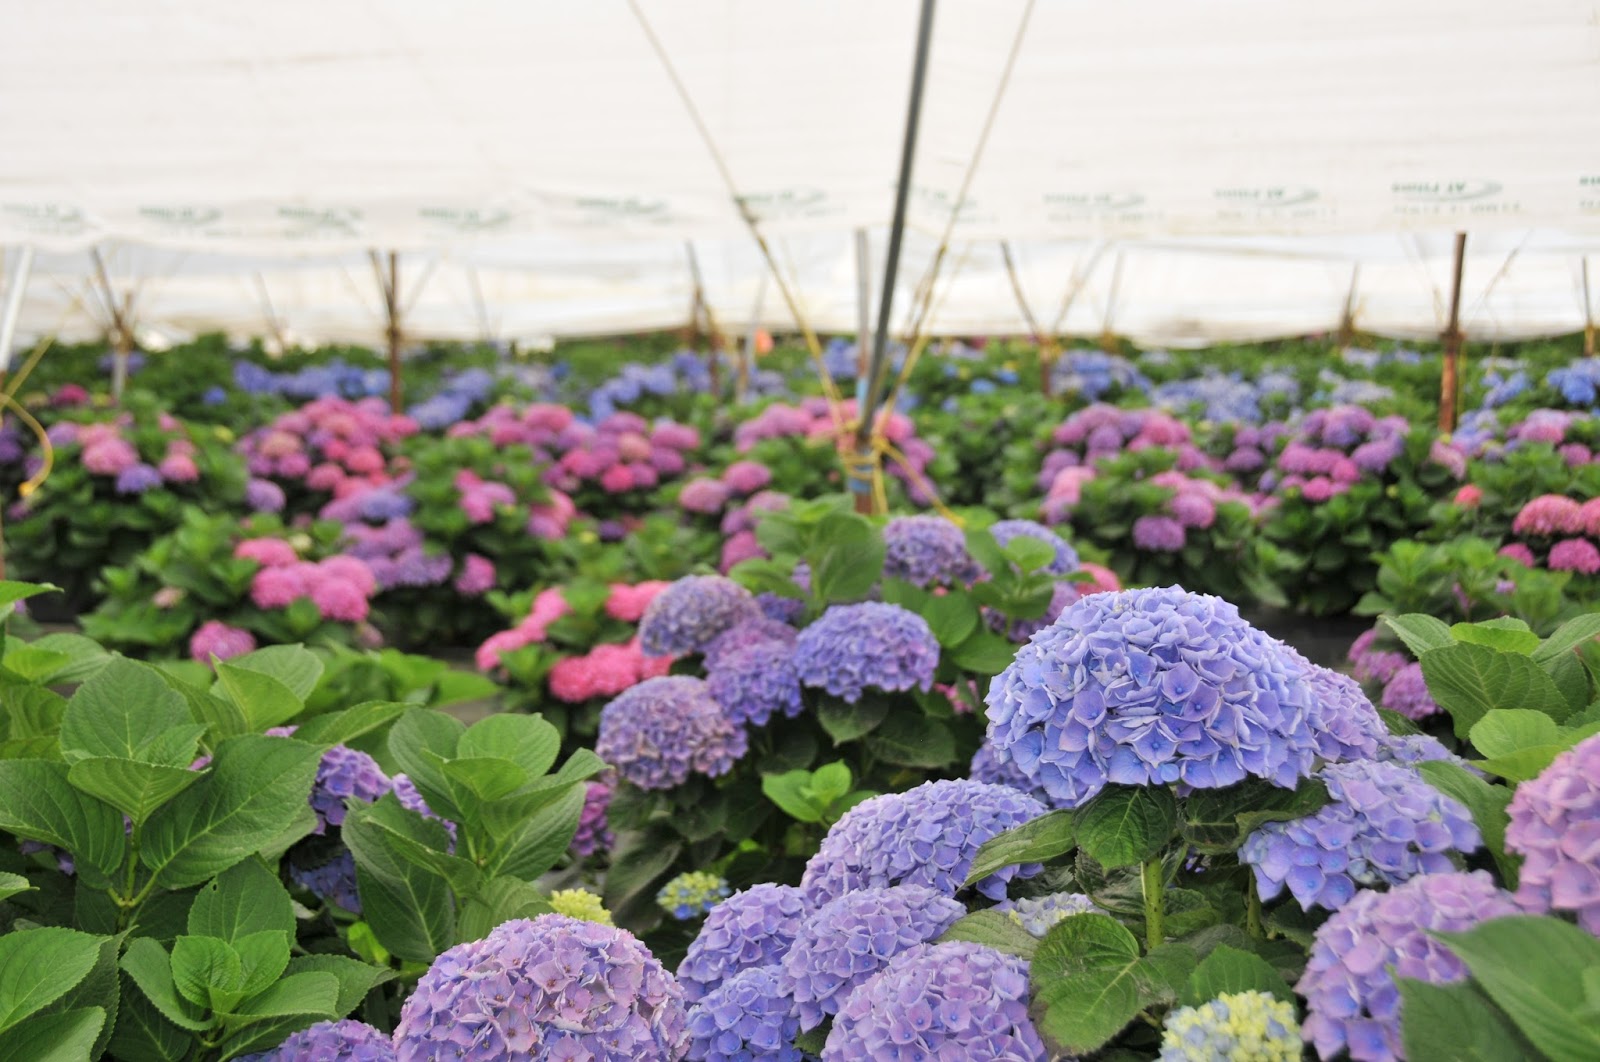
{"type": "Point", "coordinates": [1038, 914]}
{"type": "Point", "coordinates": [852, 648]}
{"type": "Point", "coordinates": [754, 927]}
{"type": "Point", "coordinates": [332, 880]}
{"type": "Point", "coordinates": [927, 551]}
{"type": "Point", "coordinates": [1343, 722]}
{"type": "Point", "coordinates": [331, 1041]}
{"type": "Point", "coordinates": [264, 496]}
{"type": "Point", "coordinates": [137, 478]}
{"type": "Point", "coordinates": [1065, 561]}
{"type": "Point", "coordinates": [1408, 750]}
{"type": "Point", "coordinates": [687, 615]}
{"type": "Point", "coordinates": [846, 941]}
{"type": "Point", "coordinates": [1352, 1001]}
{"type": "Point", "coordinates": [751, 632]}
{"type": "Point", "coordinates": [1383, 826]}
{"type": "Point", "coordinates": [957, 1001]}
{"type": "Point", "coordinates": [553, 987]}
{"type": "Point", "coordinates": [747, 1018]}
{"type": "Point", "coordinates": [1234, 1027]}
{"type": "Point", "coordinates": [782, 609]}
{"type": "Point", "coordinates": [925, 836]}
{"type": "Point", "coordinates": [659, 731]}
{"type": "Point", "coordinates": [987, 766]}
{"type": "Point", "coordinates": [1152, 686]}
{"type": "Point", "coordinates": [755, 682]}
{"type": "Point", "coordinates": [343, 774]}
{"type": "Point", "coordinates": [692, 894]}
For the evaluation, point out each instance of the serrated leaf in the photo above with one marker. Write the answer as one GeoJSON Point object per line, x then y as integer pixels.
{"type": "Point", "coordinates": [1569, 636]}
{"type": "Point", "coordinates": [1455, 1023]}
{"type": "Point", "coordinates": [243, 900]}
{"type": "Point", "coordinates": [500, 900]}
{"type": "Point", "coordinates": [1420, 632]}
{"type": "Point", "coordinates": [1050, 835]}
{"type": "Point", "coordinates": [150, 967]}
{"type": "Point", "coordinates": [952, 617]}
{"type": "Point", "coordinates": [12, 884]}
{"type": "Point", "coordinates": [1469, 681]}
{"type": "Point", "coordinates": [1084, 978]}
{"type": "Point", "coordinates": [133, 788]}
{"type": "Point", "coordinates": [39, 966]}
{"type": "Point", "coordinates": [264, 700]}
{"type": "Point", "coordinates": [141, 1034]}
{"type": "Point", "coordinates": [1219, 820]}
{"type": "Point", "coordinates": [786, 791]}
{"type": "Point", "coordinates": [482, 779]}
{"type": "Point", "coordinates": [1125, 825]}
{"type": "Point", "coordinates": [526, 740]}
{"type": "Point", "coordinates": [206, 971]}
{"type": "Point", "coordinates": [311, 994]}
{"type": "Point", "coordinates": [37, 803]}
{"type": "Point", "coordinates": [339, 728]}
{"type": "Point", "coordinates": [411, 909]}
{"type": "Point", "coordinates": [540, 840]}
{"type": "Point", "coordinates": [994, 929]}
{"type": "Point", "coordinates": [294, 666]}
{"type": "Point", "coordinates": [118, 711]}
{"type": "Point", "coordinates": [983, 653]}
{"type": "Point", "coordinates": [263, 957]}
{"type": "Point", "coordinates": [846, 722]}
{"type": "Point", "coordinates": [908, 740]}
{"type": "Point", "coordinates": [1507, 635]}
{"type": "Point", "coordinates": [63, 1036]}
{"type": "Point", "coordinates": [1228, 969]}
{"type": "Point", "coordinates": [419, 741]}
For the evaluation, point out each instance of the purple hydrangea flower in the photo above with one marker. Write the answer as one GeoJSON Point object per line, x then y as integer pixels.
{"type": "Point", "coordinates": [988, 766]}
{"type": "Point", "coordinates": [852, 648]}
{"type": "Point", "coordinates": [747, 1018]}
{"type": "Point", "coordinates": [659, 731]}
{"type": "Point", "coordinates": [750, 632]}
{"type": "Point", "coordinates": [264, 496]}
{"type": "Point", "coordinates": [1152, 686]}
{"type": "Point", "coordinates": [405, 791]}
{"type": "Point", "coordinates": [1352, 1001]}
{"type": "Point", "coordinates": [1020, 630]}
{"type": "Point", "coordinates": [1065, 561]}
{"type": "Point", "coordinates": [1158, 534]}
{"type": "Point", "coordinates": [553, 987]}
{"type": "Point", "coordinates": [755, 682]}
{"type": "Point", "coordinates": [1555, 826]}
{"type": "Point", "coordinates": [787, 610]}
{"type": "Point", "coordinates": [925, 836]}
{"type": "Point", "coordinates": [331, 1041]}
{"type": "Point", "coordinates": [342, 774]}
{"type": "Point", "coordinates": [1039, 914]}
{"type": "Point", "coordinates": [927, 551]}
{"type": "Point", "coordinates": [846, 941]}
{"type": "Point", "coordinates": [331, 880]}
{"type": "Point", "coordinates": [1344, 724]}
{"type": "Point", "coordinates": [751, 928]}
{"type": "Point", "coordinates": [1412, 749]}
{"type": "Point", "coordinates": [1384, 825]}
{"type": "Point", "coordinates": [593, 834]}
{"type": "Point", "coordinates": [687, 615]}
{"type": "Point", "coordinates": [1407, 693]}
{"type": "Point", "coordinates": [957, 1000]}
{"type": "Point", "coordinates": [137, 478]}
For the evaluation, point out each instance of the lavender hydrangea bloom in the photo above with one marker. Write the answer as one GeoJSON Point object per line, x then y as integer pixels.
{"type": "Point", "coordinates": [1384, 825]}
{"type": "Point", "coordinates": [1039, 914]}
{"type": "Point", "coordinates": [745, 1019]}
{"type": "Point", "coordinates": [785, 610]}
{"type": "Point", "coordinates": [925, 836]}
{"type": "Point", "coordinates": [852, 648]}
{"type": "Point", "coordinates": [553, 987]}
{"type": "Point", "coordinates": [687, 615]}
{"type": "Point", "coordinates": [1407, 693]}
{"type": "Point", "coordinates": [331, 1041]}
{"type": "Point", "coordinates": [1065, 561]}
{"type": "Point", "coordinates": [593, 833]}
{"type": "Point", "coordinates": [1158, 534]}
{"type": "Point", "coordinates": [988, 766]}
{"type": "Point", "coordinates": [331, 881]}
{"type": "Point", "coordinates": [957, 1000]}
{"type": "Point", "coordinates": [1152, 686]}
{"type": "Point", "coordinates": [927, 551]}
{"type": "Point", "coordinates": [751, 632]}
{"type": "Point", "coordinates": [1343, 722]}
{"type": "Point", "coordinates": [137, 478]}
{"type": "Point", "coordinates": [1555, 825]}
{"type": "Point", "coordinates": [754, 927]}
{"type": "Point", "coordinates": [756, 682]}
{"type": "Point", "coordinates": [659, 731]}
{"type": "Point", "coordinates": [405, 791]}
{"type": "Point", "coordinates": [844, 942]}
{"type": "Point", "coordinates": [264, 496]}
{"type": "Point", "coordinates": [342, 774]}
{"type": "Point", "coordinates": [1352, 1001]}
{"type": "Point", "coordinates": [1408, 750]}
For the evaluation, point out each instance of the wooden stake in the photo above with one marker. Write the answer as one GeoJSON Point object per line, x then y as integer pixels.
{"type": "Point", "coordinates": [1588, 313]}
{"type": "Point", "coordinates": [1450, 378]}
{"type": "Point", "coordinates": [389, 285]}
{"type": "Point", "coordinates": [1347, 319]}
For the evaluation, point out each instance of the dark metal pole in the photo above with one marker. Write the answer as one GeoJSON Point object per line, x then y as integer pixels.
{"type": "Point", "coordinates": [1449, 382]}
{"type": "Point", "coordinates": [891, 264]}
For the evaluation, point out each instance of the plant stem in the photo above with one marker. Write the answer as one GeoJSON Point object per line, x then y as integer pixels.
{"type": "Point", "coordinates": [1253, 912]}
{"type": "Point", "coordinates": [1153, 879]}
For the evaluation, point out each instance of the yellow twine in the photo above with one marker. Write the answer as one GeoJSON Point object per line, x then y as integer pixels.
{"type": "Point", "coordinates": [8, 399]}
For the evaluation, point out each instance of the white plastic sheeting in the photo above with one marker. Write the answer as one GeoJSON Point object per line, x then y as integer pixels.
{"type": "Point", "coordinates": [538, 167]}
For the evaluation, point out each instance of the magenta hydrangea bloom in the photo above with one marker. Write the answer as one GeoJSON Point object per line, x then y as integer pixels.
{"type": "Point", "coordinates": [331, 1041]}
{"type": "Point", "coordinates": [661, 730]}
{"type": "Point", "coordinates": [957, 1001]}
{"type": "Point", "coordinates": [1407, 693]}
{"type": "Point", "coordinates": [1575, 555]}
{"type": "Point", "coordinates": [1383, 826]}
{"type": "Point", "coordinates": [687, 615]}
{"type": "Point", "coordinates": [1152, 686]}
{"type": "Point", "coordinates": [747, 1018]}
{"type": "Point", "coordinates": [756, 682]}
{"type": "Point", "coordinates": [872, 645]}
{"type": "Point", "coordinates": [1352, 1001]}
{"type": "Point", "coordinates": [925, 836]}
{"type": "Point", "coordinates": [553, 988]}
{"type": "Point", "coordinates": [1549, 515]}
{"type": "Point", "coordinates": [844, 942]}
{"type": "Point", "coordinates": [927, 551]}
{"type": "Point", "coordinates": [345, 773]}
{"type": "Point", "coordinates": [216, 639]}
{"type": "Point", "coordinates": [1555, 827]}
{"type": "Point", "coordinates": [753, 927]}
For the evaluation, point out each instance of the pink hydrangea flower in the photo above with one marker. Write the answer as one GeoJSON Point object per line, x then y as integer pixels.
{"type": "Point", "coordinates": [1549, 515]}
{"type": "Point", "coordinates": [339, 600]}
{"type": "Point", "coordinates": [267, 552]}
{"type": "Point", "coordinates": [1521, 554]}
{"type": "Point", "coordinates": [627, 603]}
{"type": "Point", "coordinates": [217, 639]}
{"type": "Point", "coordinates": [1105, 580]}
{"type": "Point", "coordinates": [352, 570]}
{"type": "Point", "coordinates": [109, 457]}
{"type": "Point", "coordinates": [178, 468]}
{"type": "Point", "coordinates": [1469, 496]}
{"type": "Point", "coordinates": [616, 479]}
{"type": "Point", "coordinates": [477, 575]}
{"type": "Point", "coordinates": [278, 587]}
{"type": "Point", "coordinates": [746, 477]}
{"type": "Point", "coordinates": [740, 547]}
{"type": "Point", "coordinates": [1575, 555]}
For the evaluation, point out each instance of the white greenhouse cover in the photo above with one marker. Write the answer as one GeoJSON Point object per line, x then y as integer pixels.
{"type": "Point", "coordinates": [1198, 171]}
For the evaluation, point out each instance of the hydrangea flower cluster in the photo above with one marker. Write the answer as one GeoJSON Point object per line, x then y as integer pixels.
{"type": "Point", "coordinates": [872, 645]}
{"type": "Point", "coordinates": [332, 444]}
{"type": "Point", "coordinates": [331, 1041]}
{"type": "Point", "coordinates": [756, 682]}
{"type": "Point", "coordinates": [1234, 1027]}
{"type": "Point", "coordinates": [661, 730]}
{"type": "Point", "coordinates": [927, 551]}
{"type": "Point", "coordinates": [1065, 560]}
{"type": "Point", "coordinates": [752, 928]}
{"type": "Point", "coordinates": [687, 615]}
{"type": "Point", "coordinates": [628, 602]}
{"type": "Point", "coordinates": [1095, 374]}
{"type": "Point", "coordinates": [1344, 724]}
{"type": "Point", "coordinates": [395, 552]}
{"type": "Point", "coordinates": [955, 1000]}
{"type": "Point", "coordinates": [1105, 431]}
{"type": "Point", "coordinates": [553, 987]}
{"type": "Point", "coordinates": [1555, 821]}
{"type": "Point", "coordinates": [746, 1018]}
{"type": "Point", "coordinates": [594, 833]}
{"type": "Point", "coordinates": [1039, 914]}
{"type": "Point", "coordinates": [692, 894]}
{"type": "Point", "coordinates": [580, 904]}
{"type": "Point", "coordinates": [1369, 664]}
{"type": "Point", "coordinates": [741, 636]}
{"type": "Point", "coordinates": [216, 639]}
{"type": "Point", "coordinates": [340, 587]}
{"type": "Point", "coordinates": [1151, 686]}
{"type": "Point", "coordinates": [1549, 516]}
{"type": "Point", "coordinates": [812, 420]}
{"type": "Point", "coordinates": [1383, 825]}
{"type": "Point", "coordinates": [1352, 1000]}
{"type": "Point", "coordinates": [604, 671]}
{"type": "Point", "coordinates": [845, 941]}
{"type": "Point", "coordinates": [548, 607]}
{"type": "Point", "coordinates": [925, 836]}
{"type": "Point", "coordinates": [1406, 692]}
{"type": "Point", "coordinates": [343, 774]}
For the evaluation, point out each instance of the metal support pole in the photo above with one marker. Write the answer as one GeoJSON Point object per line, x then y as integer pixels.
{"type": "Point", "coordinates": [1347, 317]}
{"type": "Point", "coordinates": [8, 324]}
{"type": "Point", "coordinates": [389, 286]}
{"type": "Point", "coordinates": [880, 338]}
{"type": "Point", "coordinates": [747, 353]}
{"type": "Point", "coordinates": [699, 306]}
{"type": "Point", "coordinates": [1588, 313]}
{"type": "Point", "coordinates": [1449, 382]}
{"type": "Point", "coordinates": [863, 313]}
{"type": "Point", "coordinates": [1108, 337]}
